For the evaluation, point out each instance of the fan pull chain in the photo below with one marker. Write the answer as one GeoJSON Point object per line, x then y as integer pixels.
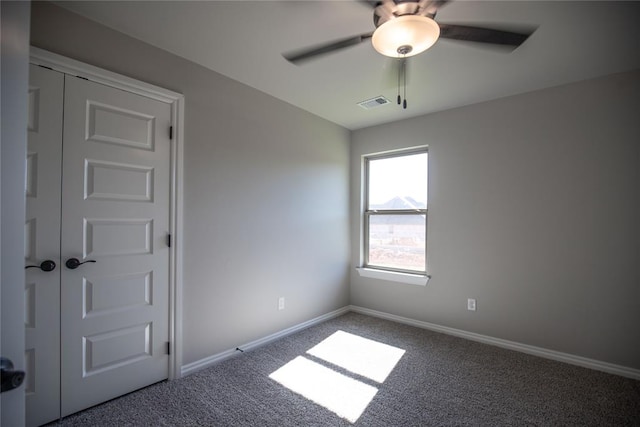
{"type": "Point", "coordinates": [399, 71]}
{"type": "Point", "coordinates": [404, 76]}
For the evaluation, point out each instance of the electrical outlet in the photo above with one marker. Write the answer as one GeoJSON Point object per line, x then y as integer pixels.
{"type": "Point", "coordinates": [471, 304]}
{"type": "Point", "coordinates": [281, 303]}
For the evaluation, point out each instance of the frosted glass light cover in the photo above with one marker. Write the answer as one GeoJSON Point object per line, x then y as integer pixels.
{"type": "Point", "coordinates": [419, 32]}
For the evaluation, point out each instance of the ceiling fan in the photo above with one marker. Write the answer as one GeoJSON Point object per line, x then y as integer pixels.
{"type": "Point", "coordinates": [406, 28]}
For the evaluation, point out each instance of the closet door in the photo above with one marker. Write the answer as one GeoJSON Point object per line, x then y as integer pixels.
{"type": "Point", "coordinates": [115, 211]}
{"type": "Point", "coordinates": [42, 243]}
{"type": "Point", "coordinates": [97, 189]}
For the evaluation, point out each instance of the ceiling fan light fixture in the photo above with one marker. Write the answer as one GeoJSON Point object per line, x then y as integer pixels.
{"type": "Point", "coordinates": [406, 35]}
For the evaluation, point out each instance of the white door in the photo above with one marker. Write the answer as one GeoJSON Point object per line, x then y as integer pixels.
{"type": "Point", "coordinates": [115, 210]}
{"type": "Point", "coordinates": [42, 243]}
{"type": "Point", "coordinates": [14, 45]}
{"type": "Point", "coordinates": [114, 203]}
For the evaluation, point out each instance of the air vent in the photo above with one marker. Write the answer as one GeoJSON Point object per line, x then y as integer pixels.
{"type": "Point", "coordinates": [376, 102]}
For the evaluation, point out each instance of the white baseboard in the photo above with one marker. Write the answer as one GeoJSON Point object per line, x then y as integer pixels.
{"type": "Point", "coordinates": [511, 345]}
{"type": "Point", "coordinates": [211, 360]}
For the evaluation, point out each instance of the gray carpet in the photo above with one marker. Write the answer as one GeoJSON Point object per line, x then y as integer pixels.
{"type": "Point", "coordinates": [439, 381]}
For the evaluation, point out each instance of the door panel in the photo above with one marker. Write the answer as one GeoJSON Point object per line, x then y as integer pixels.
{"type": "Point", "coordinates": [115, 210]}
{"type": "Point", "coordinates": [118, 181]}
{"type": "Point", "coordinates": [42, 242]}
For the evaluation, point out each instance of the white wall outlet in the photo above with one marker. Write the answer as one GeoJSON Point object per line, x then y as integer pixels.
{"type": "Point", "coordinates": [281, 303]}
{"type": "Point", "coordinates": [471, 304]}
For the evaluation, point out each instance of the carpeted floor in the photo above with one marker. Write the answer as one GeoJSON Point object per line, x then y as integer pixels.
{"type": "Point", "coordinates": [439, 380]}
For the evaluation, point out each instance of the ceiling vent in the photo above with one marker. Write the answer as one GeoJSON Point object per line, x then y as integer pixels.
{"type": "Point", "coordinates": [376, 102]}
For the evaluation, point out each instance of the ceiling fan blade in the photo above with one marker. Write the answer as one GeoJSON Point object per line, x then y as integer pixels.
{"type": "Point", "coordinates": [430, 7]}
{"type": "Point", "coordinates": [300, 56]}
{"type": "Point", "coordinates": [375, 3]}
{"type": "Point", "coordinates": [371, 3]}
{"type": "Point", "coordinates": [484, 35]}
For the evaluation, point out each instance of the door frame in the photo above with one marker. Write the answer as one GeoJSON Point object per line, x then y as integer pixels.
{"type": "Point", "coordinates": [176, 101]}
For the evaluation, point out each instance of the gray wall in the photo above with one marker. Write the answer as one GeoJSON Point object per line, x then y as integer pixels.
{"type": "Point", "coordinates": [15, 84]}
{"type": "Point", "coordinates": [534, 208]}
{"type": "Point", "coordinates": [534, 201]}
{"type": "Point", "coordinates": [265, 192]}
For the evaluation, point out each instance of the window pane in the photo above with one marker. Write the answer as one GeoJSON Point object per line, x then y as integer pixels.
{"type": "Point", "coordinates": [397, 241]}
{"type": "Point", "coordinates": [398, 182]}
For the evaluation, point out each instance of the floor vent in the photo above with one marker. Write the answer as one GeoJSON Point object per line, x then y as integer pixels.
{"type": "Point", "coordinates": [376, 102]}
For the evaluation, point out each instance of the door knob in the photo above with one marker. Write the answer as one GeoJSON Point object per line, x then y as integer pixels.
{"type": "Point", "coordinates": [73, 263]}
{"type": "Point", "coordinates": [47, 265]}
{"type": "Point", "coordinates": [10, 377]}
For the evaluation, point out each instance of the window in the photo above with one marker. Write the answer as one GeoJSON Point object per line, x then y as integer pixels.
{"type": "Point", "coordinates": [395, 215]}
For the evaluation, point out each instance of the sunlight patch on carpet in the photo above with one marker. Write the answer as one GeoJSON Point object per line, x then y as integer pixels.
{"type": "Point", "coordinates": [344, 396]}
{"type": "Point", "coordinates": [362, 356]}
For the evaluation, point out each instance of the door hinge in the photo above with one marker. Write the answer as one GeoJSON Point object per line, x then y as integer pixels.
{"type": "Point", "coordinates": [83, 78]}
{"type": "Point", "coordinates": [168, 347]}
{"type": "Point", "coordinates": [45, 67]}
{"type": "Point", "coordinates": [170, 132]}
{"type": "Point", "coordinates": [169, 240]}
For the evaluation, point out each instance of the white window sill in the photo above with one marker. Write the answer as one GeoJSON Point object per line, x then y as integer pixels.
{"type": "Point", "coordinates": [412, 279]}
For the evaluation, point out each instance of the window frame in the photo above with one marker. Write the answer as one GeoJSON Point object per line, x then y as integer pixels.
{"type": "Point", "coordinates": [367, 214]}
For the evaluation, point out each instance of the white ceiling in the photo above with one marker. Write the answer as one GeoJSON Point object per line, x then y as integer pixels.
{"type": "Point", "coordinates": [244, 40]}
